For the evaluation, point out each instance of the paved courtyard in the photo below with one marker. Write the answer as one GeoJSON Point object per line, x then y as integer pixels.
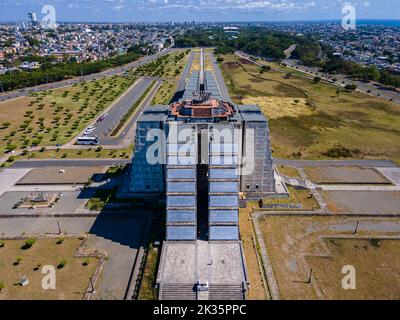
{"type": "Point", "coordinates": [363, 202]}
{"type": "Point", "coordinates": [69, 203]}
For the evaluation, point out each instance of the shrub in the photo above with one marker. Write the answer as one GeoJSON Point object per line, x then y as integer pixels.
{"type": "Point", "coordinates": [1, 286]}
{"type": "Point", "coordinates": [28, 244]}
{"type": "Point", "coordinates": [350, 87]}
{"type": "Point", "coordinates": [18, 260]}
{"type": "Point", "coordinates": [375, 242]}
{"type": "Point", "coordinates": [338, 152]}
{"type": "Point", "coordinates": [62, 264]}
{"type": "Point", "coordinates": [38, 266]}
{"type": "Point", "coordinates": [60, 240]}
{"type": "Point", "coordinates": [2, 244]}
{"type": "Point", "coordinates": [86, 262]}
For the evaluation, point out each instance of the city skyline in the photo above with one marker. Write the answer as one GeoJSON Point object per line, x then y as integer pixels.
{"type": "Point", "coordinates": [198, 10]}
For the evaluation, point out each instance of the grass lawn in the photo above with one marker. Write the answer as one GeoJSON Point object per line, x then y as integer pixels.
{"type": "Point", "coordinates": [314, 121]}
{"type": "Point", "coordinates": [71, 281]}
{"type": "Point", "coordinates": [165, 93]}
{"type": "Point", "coordinates": [196, 61]}
{"type": "Point", "coordinates": [54, 117]}
{"type": "Point", "coordinates": [296, 196]}
{"type": "Point", "coordinates": [147, 290]}
{"type": "Point", "coordinates": [90, 153]}
{"type": "Point", "coordinates": [257, 290]}
{"type": "Point", "coordinates": [167, 67]}
{"type": "Point", "coordinates": [290, 172]}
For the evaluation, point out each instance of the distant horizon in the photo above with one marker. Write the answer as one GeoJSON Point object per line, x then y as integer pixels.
{"type": "Point", "coordinates": [151, 11]}
{"type": "Point", "coordinates": [358, 21]}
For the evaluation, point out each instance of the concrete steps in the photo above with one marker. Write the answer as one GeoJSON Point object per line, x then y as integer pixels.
{"type": "Point", "coordinates": [226, 292]}
{"type": "Point", "coordinates": [178, 291]}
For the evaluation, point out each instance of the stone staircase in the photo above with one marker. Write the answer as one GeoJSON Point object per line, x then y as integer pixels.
{"type": "Point", "coordinates": [177, 291]}
{"type": "Point", "coordinates": [226, 292]}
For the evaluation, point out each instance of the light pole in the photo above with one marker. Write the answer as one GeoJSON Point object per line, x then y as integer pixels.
{"type": "Point", "coordinates": [59, 228]}
{"type": "Point", "coordinates": [92, 291]}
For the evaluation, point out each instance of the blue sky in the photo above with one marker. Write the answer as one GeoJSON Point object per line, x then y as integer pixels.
{"type": "Point", "coordinates": [199, 10]}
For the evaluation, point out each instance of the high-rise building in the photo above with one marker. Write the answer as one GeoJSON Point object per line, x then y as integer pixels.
{"type": "Point", "coordinates": [33, 18]}
{"type": "Point", "coordinates": [209, 152]}
{"type": "Point", "coordinates": [201, 175]}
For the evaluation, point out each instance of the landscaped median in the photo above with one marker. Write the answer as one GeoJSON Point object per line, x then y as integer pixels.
{"type": "Point", "coordinates": [132, 110]}
{"type": "Point", "coordinates": [64, 154]}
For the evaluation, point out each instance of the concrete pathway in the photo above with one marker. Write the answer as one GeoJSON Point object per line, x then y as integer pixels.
{"type": "Point", "coordinates": [9, 177]}
{"type": "Point", "coordinates": [335, 163]}
{"type": "Point", "coordinates": [358, 188]}
{"type": "Point", "coordinates": [393, 174]}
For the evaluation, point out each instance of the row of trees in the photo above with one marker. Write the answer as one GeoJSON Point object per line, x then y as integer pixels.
{"type": "Point", "coordinates": [335, 65]}
{"type": "Point", "coordinates": [56, 72]}
{"type": "Point", "coordinates": [271, 45]}
{"type": "Point", "coordinates": [254, 41]}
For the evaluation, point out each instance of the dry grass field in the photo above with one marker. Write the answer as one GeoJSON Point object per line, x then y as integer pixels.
{"type": "Point", "coordinates": [71, 281]}
{"type": "Point", "coordinates": [315, 121]}
{"type": "Point", "coordinates": [325, 244]}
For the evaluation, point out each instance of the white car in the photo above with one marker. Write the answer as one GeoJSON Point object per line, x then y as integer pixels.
{"type": "Point", "coordinates": [89, 130]}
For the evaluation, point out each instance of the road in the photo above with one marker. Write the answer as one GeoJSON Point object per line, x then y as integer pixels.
{"type": "Point", "coordinates": [370, 88]}
{"type": "Point", "coordinates": [127, 136]}
{"type": "Point", "coordinates": [95, 76]}
{"type": "Point", "coordinates": [118, 110]}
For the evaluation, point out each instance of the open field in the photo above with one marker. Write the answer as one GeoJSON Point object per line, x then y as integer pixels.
{"type": "Point", "coordinates": [71, 281]}
{"type": "Point", "coordinates": [316, 121]}
{"type": "Point", "coordinates": [55, 117]}
{"type": "Point", "coordinates": [326, 244]}
{"type": "Point", "coordinates": [345, 175]}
